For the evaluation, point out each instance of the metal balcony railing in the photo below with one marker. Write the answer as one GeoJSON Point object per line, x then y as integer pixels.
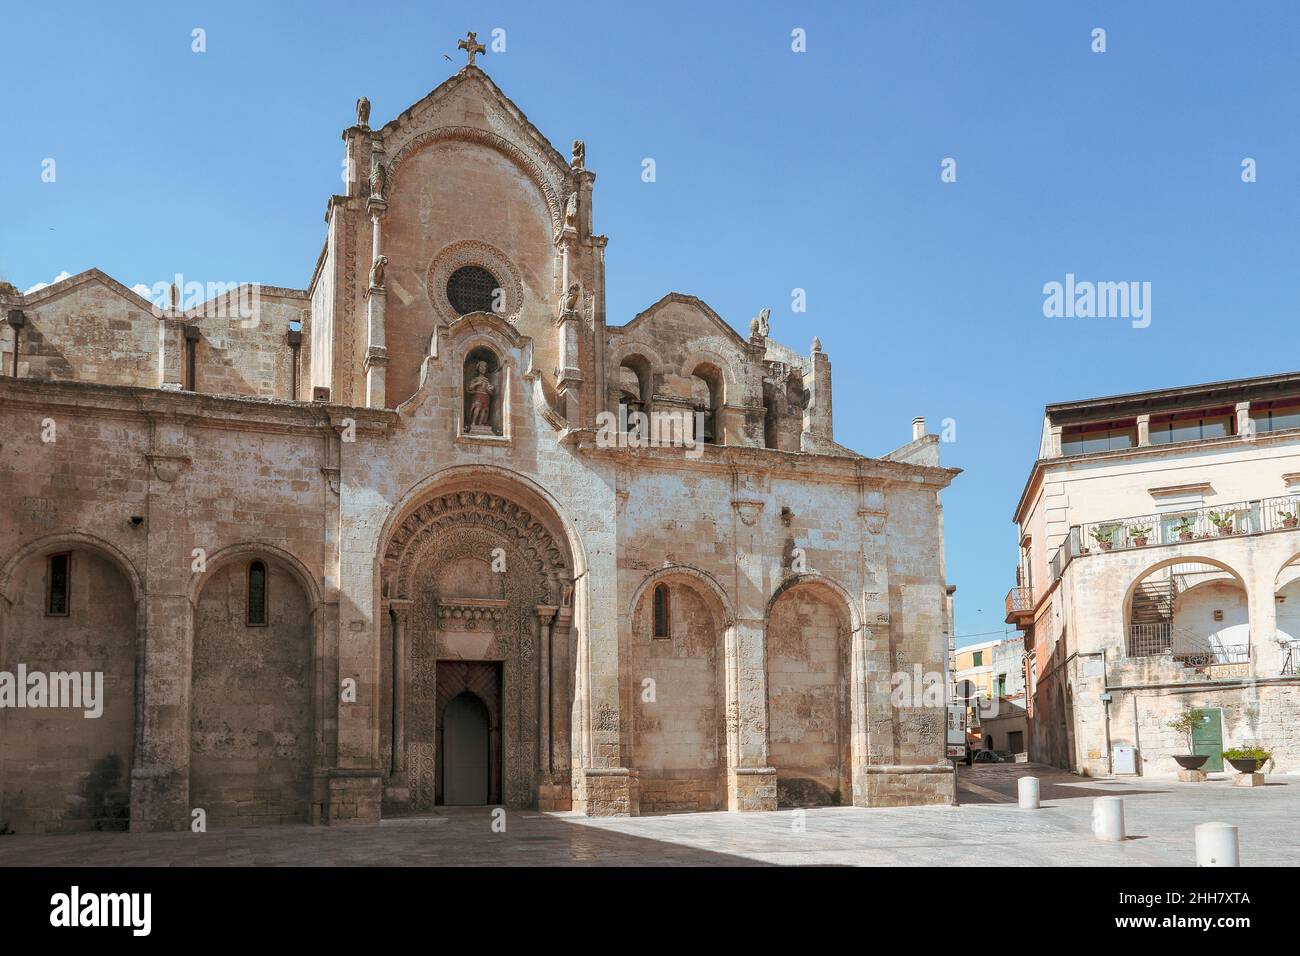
{"type": "Point", "coordinates": [1216, 521]}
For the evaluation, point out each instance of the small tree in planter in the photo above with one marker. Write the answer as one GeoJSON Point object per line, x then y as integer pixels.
{"type": "Point", "coordinates": [1225, 523]}
{"type": "Point", "coordinates": [1138, 535]}
{"type": "Point", "coordinates": [1184, 528]}
{"type": "Point", "coordinates": [1186, 723]}
{"type": "Point", "coordinates": [1248, 759]}
{"type": "Point", "coordinates": [1105, 537]}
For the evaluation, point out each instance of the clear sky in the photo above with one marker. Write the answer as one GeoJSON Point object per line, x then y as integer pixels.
{"type": "Point", "coordinates": [775, 170]}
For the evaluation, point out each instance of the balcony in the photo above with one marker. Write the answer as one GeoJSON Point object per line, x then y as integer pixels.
{"type": "Point", "coordinates": [1020, 607]}
{"type": "Point", "coordinates": [1218, 521]}
{"type": "Point", "coordinates": [1145, 531]}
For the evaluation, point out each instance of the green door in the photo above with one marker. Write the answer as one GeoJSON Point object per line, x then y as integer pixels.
{"type": "Point", "coordinates": [1208, 739]}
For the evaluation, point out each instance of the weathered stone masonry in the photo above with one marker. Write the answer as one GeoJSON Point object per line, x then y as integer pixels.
{"type": "Point", "coordinates": [425, 482]}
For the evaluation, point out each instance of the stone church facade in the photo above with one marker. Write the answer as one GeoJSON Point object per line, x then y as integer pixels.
{"type": "Point", "coordinates": [378, 548]}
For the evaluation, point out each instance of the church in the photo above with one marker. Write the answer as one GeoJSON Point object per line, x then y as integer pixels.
{"type": "Point", "coordinates": [437, 531]}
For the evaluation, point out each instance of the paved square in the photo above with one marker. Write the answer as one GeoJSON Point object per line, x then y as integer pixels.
{"type": "Point", "coordinates": [987, 829]}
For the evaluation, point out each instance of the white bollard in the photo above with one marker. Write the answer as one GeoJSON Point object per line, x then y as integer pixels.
{"type": "Point", "coordinates": [1216, 845]}
{"type": "Point", "coordinates": [1027, 788]}
{"type": "Point", "coordinates": [1108, 818]}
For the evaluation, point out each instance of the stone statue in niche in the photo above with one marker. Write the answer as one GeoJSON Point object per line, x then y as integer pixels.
{"type": "Point", "coordinates": [579, 154]}
{"type": "Point", "coordinates": [378, 180]}
{"type": "Point", "coordinates": [480, 395]}
{"type": "Point", "coordinates": [377, 272]}
{"type": "Point", "coordinates": [363, 112]}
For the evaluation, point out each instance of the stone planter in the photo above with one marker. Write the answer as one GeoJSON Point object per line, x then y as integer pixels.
{"type": "Point", "coordinates": [1244, 766]}
{"type": "Point", "coordinates": [1191, 761]}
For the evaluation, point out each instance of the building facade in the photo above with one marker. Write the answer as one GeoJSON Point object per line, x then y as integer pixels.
{"type": "Point", "coordinates": [1159, 574]}
{"type": "Point", "coordinates": [433, 531]}
{"type": "Point", "coordinates": [990, 678]}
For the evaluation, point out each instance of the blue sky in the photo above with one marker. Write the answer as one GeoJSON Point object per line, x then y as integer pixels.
{"type": "Point", "coordinates": [775, 171]}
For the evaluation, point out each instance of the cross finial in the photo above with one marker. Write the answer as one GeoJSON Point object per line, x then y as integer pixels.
{"type": "Point", "coordinates": [471, 46]}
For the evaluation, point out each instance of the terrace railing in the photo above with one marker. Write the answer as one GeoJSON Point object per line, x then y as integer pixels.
{"type": "Point", "coordinates": [1242, 517]}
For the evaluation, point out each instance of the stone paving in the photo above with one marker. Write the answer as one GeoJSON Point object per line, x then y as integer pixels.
{"type": "Point", "coordinates": [987, 829]}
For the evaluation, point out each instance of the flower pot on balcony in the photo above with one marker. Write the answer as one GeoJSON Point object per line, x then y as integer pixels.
{"type": "Point", "coordinates": [1248, 765]}
{"type": "Point", "coordinates": [1224, 532]}
{"type": "Point", "coordinates": [1140, 541]}
{"type": "Point", "coordinates": [1191, 761]}
{"type": "Point", "coordinates": [1105, 545]}
{"type": "Point", "coordinates": [1185, 536]}
{"type": "Point", "coordinates": [1290, 522]}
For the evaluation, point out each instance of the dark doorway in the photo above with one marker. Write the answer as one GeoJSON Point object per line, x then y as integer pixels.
{"type": "Point", "coordinates": [466, 752]}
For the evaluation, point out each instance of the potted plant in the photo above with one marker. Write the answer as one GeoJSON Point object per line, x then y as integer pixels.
{"type": "Point", "coordinates": [1185, 723]}
{"type": "Point", "coordinates": [1247, 759]}
{"type": "Point", "coordinates": [1105, 537]}
{"type": "Point", "coordinates": [1224, 523]}
{"type": "Point", "coordinates": [1138, 535]}
{"type": "Point", "coordinates": [1184, 528]}
{"type": "Point", "coordinates": [1289, 519]}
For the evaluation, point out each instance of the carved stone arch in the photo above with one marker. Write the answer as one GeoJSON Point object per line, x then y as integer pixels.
{"type": "Point", "coordinates": [701, 580]}
{"type": "Point", "coordinates": [471, 134]}
{"type": "Point", "coordinates": [249, 550]}
{"type": "Point", "coordinates": [838, 593]}
{"type": "Point", "coordinates": [69, 541]}
{"type": "Point", "coordinates": [731, 392]}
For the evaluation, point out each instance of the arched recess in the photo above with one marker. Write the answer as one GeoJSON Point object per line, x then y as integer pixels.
{"type": "Point", "coordinates": [678, 702]}
{"type": "Point", "coordinates": [256, 728]}
{"type": "Point", "coordinates": [1192, 609]}
{"type": "Point", "coordinates": [61, 770]}
{"type": "Point", "coordinates": [1286, 603]}
{"type": "Point", "coordinates": [477, 568]}
{"type": "Point", "coordinates": [811, 624]}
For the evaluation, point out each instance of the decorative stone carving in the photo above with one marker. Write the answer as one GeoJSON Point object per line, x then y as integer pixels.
{"type": "Point", "coordinates": [377, 272]}
{"type": "Point", "coordinates": [471, 46]}
{"type": "Point", "coordinates": [378, 181]}
{"type": "Point", "coordinates": [472, 252]}
{"type": "Point", "coordinates": [481, 391]}
{"type": "Point", "coordinates": [816, 344]}
{"type": "Point", "coordinates": [579, 154]}
{"type": "Point", "coordinates": [764, 323]}
{"type": "Point", "coordinates": [571, 212]}
{"type": "Point", "coordinates": [572, 296]}
{"type": "Point", "coordinates": [748, 511]}
{"type": "Point", "coordinates": [363, 113]}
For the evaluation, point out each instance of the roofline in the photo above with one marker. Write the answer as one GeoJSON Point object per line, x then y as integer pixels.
{"type": "Point", "coordinates": [1235, 384]}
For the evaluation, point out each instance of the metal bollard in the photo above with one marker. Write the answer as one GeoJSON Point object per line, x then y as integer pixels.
{"type": "Point", "coordinates": [1108, 818]}
{"type": "Point", "coordinates": [1217, 845]}
{"type": "Point", "coordinates": [1027, 788]}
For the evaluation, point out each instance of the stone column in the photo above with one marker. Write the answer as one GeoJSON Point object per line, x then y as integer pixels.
{"type": "Point", "coordinates": [568, 324]}
{"type": "Point", "coordinates": [402, 616]}
{"type": "Point", "coordinates": [376, 306]}
{"type": "Point", "coordinates": [872, 715]}
{"type": "Point", "coordinates": [545, 615]}
{"type": "Point", "coordinates": [1144, 430]}
{"type": "Point", "coordinates": [751, 781]}
{"type": "Point", "coordinates": [817, 417]}
{"type": "Point", "coordinates": [1245, 427]}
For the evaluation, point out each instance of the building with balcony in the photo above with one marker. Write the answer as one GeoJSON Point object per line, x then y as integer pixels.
{"type": "Point", "coordinates": [1160, 571]}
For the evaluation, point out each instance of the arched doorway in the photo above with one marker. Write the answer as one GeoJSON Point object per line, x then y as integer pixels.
{"type": "Point", "coordinates": [466, 752]}
{"type": "Point", "coordinates": [478, 574]}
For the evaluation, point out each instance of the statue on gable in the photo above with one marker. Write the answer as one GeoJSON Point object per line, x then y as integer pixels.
{"type": "Point", "coordinates": [764, 326]}
{"type": "Point", "coordinates": [363, 113]}
{"type": "Point", "coordinates": [579, 159]}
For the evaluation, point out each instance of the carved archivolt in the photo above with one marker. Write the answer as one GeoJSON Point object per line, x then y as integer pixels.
{"type": "Point", "coordinates": [473, 252]}
{"type": "Point", "coordinates": [458, 512]}
{"type": "Point", "coordinates": [473, 134]}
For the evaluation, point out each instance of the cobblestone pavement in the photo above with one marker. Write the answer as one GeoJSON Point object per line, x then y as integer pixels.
{"type": "Point", "coordinates": [987, 829]}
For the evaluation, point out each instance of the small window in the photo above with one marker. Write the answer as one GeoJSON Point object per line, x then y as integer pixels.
{"type": "Point", "coordinates": [1098, 437]}
{"type": "Point", "coordinates": [57, 585]}
{"type": "Point", "coordinates": [472, 289]}
{"type": "Point", "coordinates": [1194, 426]}
{"type": "Point", "coordinates": [1275, 416]}
{"type": "Point", "coordinates": [977, 659]}
{"type": "Point", "coordinates": [661, 611]}
{"type": "Point", "coordinates": [257, 594]}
